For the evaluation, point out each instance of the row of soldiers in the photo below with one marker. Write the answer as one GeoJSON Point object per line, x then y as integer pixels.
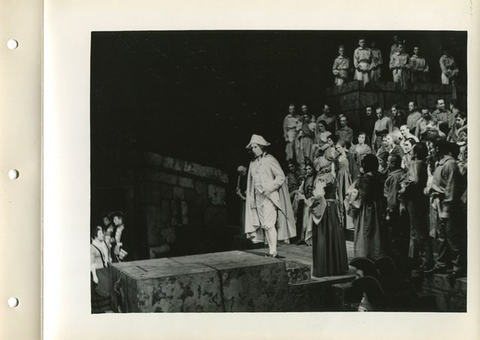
{"type": "Point", "coordinates": [367, 64]}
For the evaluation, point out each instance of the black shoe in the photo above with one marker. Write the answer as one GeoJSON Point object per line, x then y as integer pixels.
{"type": "Point", "coordinates": [275, 256]}
{"type": "Point", "coordinates": [436, 270]}
{"type": "Point", "coordinates": [299, 242]}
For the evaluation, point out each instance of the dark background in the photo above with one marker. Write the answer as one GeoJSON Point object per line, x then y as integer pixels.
{"type": "Point", "coordinates": [199, 95]}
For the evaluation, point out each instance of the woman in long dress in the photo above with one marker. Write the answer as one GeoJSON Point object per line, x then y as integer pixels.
{"type": "Point", "coordinates": [100, 261]}
{"type": "Point", "coordinates": [344, 181]}
{"type": "Point", "coordinates": [365, 198]}
{"type": "Point", "coordinates": [305, 193]}
{"type": "Point", "coordinates": [328, 240]}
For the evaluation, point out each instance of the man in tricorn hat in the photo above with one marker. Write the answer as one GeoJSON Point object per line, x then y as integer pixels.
{"type": "Point", "coordinates": [269, 213]}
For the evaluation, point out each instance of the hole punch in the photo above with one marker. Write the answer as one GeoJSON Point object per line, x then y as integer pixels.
{"type": "Point", "coordinates": [13, 302]}
{"type": "Point", "coordinates": [12, 44]}
{"type": "Point", "coordinates": [13, 174]}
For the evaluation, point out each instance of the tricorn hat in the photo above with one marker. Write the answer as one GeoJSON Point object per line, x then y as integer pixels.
{"type": "Point", "coordinates": [257, 139]}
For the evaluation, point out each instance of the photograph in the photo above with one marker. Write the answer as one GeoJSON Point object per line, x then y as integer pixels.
{"type": "Point", "coordinates": [278, 171]}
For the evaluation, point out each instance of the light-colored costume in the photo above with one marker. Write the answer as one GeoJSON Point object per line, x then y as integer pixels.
{"type": "Point", "coordinates": [449, 68]}
{"type": "Point", "coordinates": [399, 63]}
{"type": "Point", "coordinates": [362, 58]}
{"type": "Point", "coordinates": [291, 124]}
{"type": "Point", "coordinates": [418, 69]}
{"type": "Point", "coordinates": [274, 210]}
{"type": "Point", "coordinates": [340, 69]}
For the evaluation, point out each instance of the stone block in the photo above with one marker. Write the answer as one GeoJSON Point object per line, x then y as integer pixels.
{"type": "Point", "coordinates": [216, 194]}
{"type": "Point", "coordinates": [250, 283]}
{"type": "Point", "coordinates": [166, 191]}
{"type": "Point", "coordinates": [206, 172]}
{"type": "Point", "coordinates": [297, 272]}
{"type": "Point", "coordinates": [153, 159]}
{"type": "Point", "coordinates": [186, 182]}
{"type": "Point", "coordinates": [178, 193]}
{"type": "Point", "coordinates": [162, 177]}
{"type": "Point", "coordinates": [168, 162]}
{"type": "Point", "coordinates": [164, 285]}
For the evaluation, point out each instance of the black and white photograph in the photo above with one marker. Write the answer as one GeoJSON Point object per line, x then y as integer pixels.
{"type": "Point", "coordinates": [278, 171]}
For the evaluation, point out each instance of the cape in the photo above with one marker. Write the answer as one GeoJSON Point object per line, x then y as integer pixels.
{"type": "Point", "coordinates": [272, 176]}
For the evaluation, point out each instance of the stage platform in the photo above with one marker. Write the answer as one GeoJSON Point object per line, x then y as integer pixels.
{"type": "Point", "coordinates": [233, 281]}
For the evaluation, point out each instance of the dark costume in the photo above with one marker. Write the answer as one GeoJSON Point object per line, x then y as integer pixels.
{"type": "Point", "coordinates": [366, 208]}
{"type": "Point", "coordinates": [328, 241]}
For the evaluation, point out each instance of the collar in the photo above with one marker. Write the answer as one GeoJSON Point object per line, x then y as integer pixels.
{"type": "Point", "coordinates": [261, 156]}
{"type": "Point", "coordinates": [445, 159]}
{"type": "Point", "coordinates": [396, 171]}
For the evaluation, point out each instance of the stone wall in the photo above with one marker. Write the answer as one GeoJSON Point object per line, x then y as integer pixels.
{"type": "Point", "coordinates": [352, 98]}
{"type": "Point", "coordinates": [173, 207]}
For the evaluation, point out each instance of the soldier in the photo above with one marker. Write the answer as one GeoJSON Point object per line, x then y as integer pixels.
{"type": "Point", "coordinates": [413, 116]}
{"type": "Point", "coordinates": [399, 64]}
{"type": "Point", "coordinates": [418, 67]}
{"type": "Point", "coordinates": [441, 114]}
{"type": "Point", "coordinates": [377, 62]}
{"type": "Point", "coordinates": [290, 131]}
{"type": "Point", "coordinates": [362, 59]}
{"type": "Point", "coordinates": [448, 66]}
{"type": "Point", "coordinates": [341, 65]}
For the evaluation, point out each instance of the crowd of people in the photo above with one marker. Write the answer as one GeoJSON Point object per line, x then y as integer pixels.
{"type": "Point", "coordinates": [406, 69]}
{"type": "Point", "coordinates": [397, 184]}
{"type": "Point", "coordinates": [108, 245]}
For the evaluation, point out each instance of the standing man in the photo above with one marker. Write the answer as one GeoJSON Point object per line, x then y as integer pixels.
{"type": "Point", "coordinates": [329, 118]}
{"type": "Point", "coordinates": [377, 62]}
{"type": "Point", "coordinates": [341, 65]}
{"type": "Point", "coordinates": [290, 131]}
{"type": "Point", "coordinates": [394, 47]}
{"type": "Point", "coordinates": [344, 133]}
{"type": "Point", "coordinates": [383, 123]}
{"type": "Point", "coordinates": [405, 131]}
{"type": "Point", "coordinates": [425, 123]}
{"type": "Point", "coordinates": [268, 200]}
{"type": "Point", "coordinates": [441, 114]}
{"type": "Point", "coordinates": [121, 239]}
{"type": "Point", "coordinates": [413, 116]}
{"type": "Point", "coordinates": [367, 123]}
{"type": "Point", "coordinates": [242, 191]}
{"type": "Point", "coordinates": [399, 64]}
{"type": "Point", "coordinates": [362, 59]}
{"type": "Point", "coordinates": [448, 67]}
{"type": "Point", "coordinates": [418, 67]}
{"type": "Point", "coordinates": [397, 223]}
{"type": "Point", "coordinates": [446, 191]}
{"type": "Point", "coordinates": [397, 116]}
